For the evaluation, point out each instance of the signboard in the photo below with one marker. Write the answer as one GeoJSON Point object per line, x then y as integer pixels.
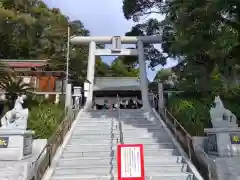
{"type": "Point", "coordinates": [27, 145]}
{"type": "Point", "coordinates": [212, 144]}
{"type": "Point", "coordinates": [59, 86]}
{"type": "Point", "coordinates": [130, 160]}
{"type": "Point", "coordinates": [116, 43]}
{"type": "Point", "coordinates": [4, 142]}
{"type": "Point", "coordinates": [77, 91]}
{"type": "Point", "coordinates": [235, 138]}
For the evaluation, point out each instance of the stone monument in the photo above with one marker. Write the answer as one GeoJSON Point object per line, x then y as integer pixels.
{"type": "Point", "coordinates": [224, 137]}
{"type": "Point", "coordinates": [15, 140]}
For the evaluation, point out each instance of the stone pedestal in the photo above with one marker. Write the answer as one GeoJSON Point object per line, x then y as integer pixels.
{"type": "Point", "coordinates": [15, 144]}
{"type": "Point", "coordinates": [223, 141]}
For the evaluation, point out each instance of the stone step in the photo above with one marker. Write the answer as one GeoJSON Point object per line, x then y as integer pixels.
{"type": "Point", "coordinates": [132, 116]}
{"type": "Point", "coordinates": [106, 170]}
{"type": "Point", "coordinates": [144, 128]}
{"type": "Point", "coordinates": [97, 125]}
{"type": "Point", "coordinates": [70, 162]}
{"type": "Point", "coordinates": [138, 126]}
{"type": "Point", "coordinates": [142, 141]}
{"type": "Point", "coordinates": [101, 145]}
{"type": "Point", "coordinates": [100, 123]}
{"type": "Point", "coordinates": [92, 133]}
{"type": "Point", "coordinates": [160, 136]}
{"type": "Point", "coordinates": [100, 119]}
{"type": "Point", "coordinates": [100, 131]}
{"type": "Point", "coordinates": [80, 142]}
{"type": "Point", "coordinates": [99, 115]}
{"type": "Point", "coordinates": [144, 133]}
{"type": "Point", "coordinates": [162, 176]}
{"type": "Point", "coordinates": [69, 153]}
{"type": "Point", "coordinates": [89, 147]}
{"type": "Point", "coordinates": [158, 146]}
{"type": "Point", "coordinates": [94, 138]}
{"type": "Point", "coordinates": [93, 124]}
{"type": "Point", "coordinates": [90, 138]}
{"type": "Point", "coordinates": [92, 154]}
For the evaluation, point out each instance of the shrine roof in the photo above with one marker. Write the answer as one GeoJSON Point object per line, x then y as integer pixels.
{"type": "Point", "coordinates": [24, 63]}
{"type": "Point", "coordinates": [116, 83]}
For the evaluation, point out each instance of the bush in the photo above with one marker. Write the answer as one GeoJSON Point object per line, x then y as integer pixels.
{"type": "Point", "coordinates": [191, 113]}
{"type": "Point", "coordinates": [192, 109]}
{"type": "Point", "coordinates": [44, 119]}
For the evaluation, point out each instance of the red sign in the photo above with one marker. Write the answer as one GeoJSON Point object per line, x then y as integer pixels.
{"type": "Point", "coordinates": [130, 161]}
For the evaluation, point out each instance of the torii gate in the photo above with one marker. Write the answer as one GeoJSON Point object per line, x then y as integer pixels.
{"type": "Point", "coordinates": [116, 50]}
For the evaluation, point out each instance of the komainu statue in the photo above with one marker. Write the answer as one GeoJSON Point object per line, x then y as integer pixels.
{"type": "Point", "coordinates": [222, 117]}
{"type": "Point", "coordinates": [17, 117]}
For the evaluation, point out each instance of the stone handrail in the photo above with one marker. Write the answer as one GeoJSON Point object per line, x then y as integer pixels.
{"type": "Point", "coordinates": [209, 166]}
{"type": "Point", "coordinates": [119, 121]}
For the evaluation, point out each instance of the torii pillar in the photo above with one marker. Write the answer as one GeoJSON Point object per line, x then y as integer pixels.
{"type": "Point", "coordinates": [116, 50]}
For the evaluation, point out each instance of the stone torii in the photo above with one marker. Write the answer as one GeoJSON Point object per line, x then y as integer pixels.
{"type": "Point", "coordinates": [116, 50]}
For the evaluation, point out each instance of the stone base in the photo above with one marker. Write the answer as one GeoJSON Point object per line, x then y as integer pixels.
{"type": "Point", "coordinates": [15, 144]}
{"type": "Point", "coordinates": [225, 140]}
{"type": "Point", "coordinates": [25, 169]}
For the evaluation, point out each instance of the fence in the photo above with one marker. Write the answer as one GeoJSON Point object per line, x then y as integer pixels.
{"type": "Point", "coordinates": [53, 143]}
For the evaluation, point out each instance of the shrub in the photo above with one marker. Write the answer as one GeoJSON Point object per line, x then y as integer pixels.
{"type": "Point", "coordinates": [192, 109]}
{"type": "Point", "coordinates": [191, 113]}
{"type": "Point", "coordinates": [44, 119]}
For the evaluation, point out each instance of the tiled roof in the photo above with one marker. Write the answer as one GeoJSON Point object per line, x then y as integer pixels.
{"type": "Point", "coordinates": [24, 63]}
{"type": "Point", "coordinates": [116, 83]}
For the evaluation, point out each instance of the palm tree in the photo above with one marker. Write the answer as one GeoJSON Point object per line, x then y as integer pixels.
{"type": "Point", "coordinates": [13, 86]}
{"type": "Point", "coordinates": [3, 69]}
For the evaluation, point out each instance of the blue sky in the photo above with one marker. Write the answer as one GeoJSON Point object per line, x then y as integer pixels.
{"type": "Point", "coordinates": [101, 18]}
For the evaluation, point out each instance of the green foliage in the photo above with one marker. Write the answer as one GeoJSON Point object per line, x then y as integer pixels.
{"type": "Point", "coordinates": [191, 113]}
{"type": "Point", "coordinates": [3, 70]}
{"type": "Point", "coordinates": [14, 86]}
{"type": "Point", "coordinates": [204, 34]}
{"type": "Point", "coordinates": [191, 109]}
{"type": "Point", "coordinates": [162, 75]}
{"type": "Point", "coordinates": [118, 68]}
{"type": "Point", "coordinates": [45, 118]}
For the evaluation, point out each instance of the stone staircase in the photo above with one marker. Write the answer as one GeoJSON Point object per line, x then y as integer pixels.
{"type": "Point", "coordinates": [90, 154]}
{"type": "Point", "coordinates": [91, 151]}
{"type": "Point", "coordinates": [161, 159]}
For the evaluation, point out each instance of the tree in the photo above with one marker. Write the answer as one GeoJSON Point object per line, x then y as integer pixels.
{"type": "Point", "coordinates": [3, 70]}
{"type": "Point", "coordinates": [119, 69]}
{"type": "Point", "coordinates": [31, 30]}
{"type": "Point", "coordinates": [13, 86]}
{"type": "Point", "coordinates": [162, 75]}
{"type": "Point", "coordinates": [152, 55]}
{"type": "Point", "coordinates": [203, 34]}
